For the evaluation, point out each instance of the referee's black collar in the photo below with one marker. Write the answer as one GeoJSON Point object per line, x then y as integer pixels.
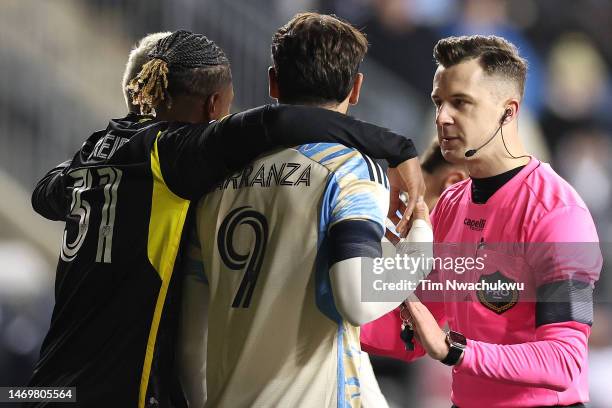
{"type": "Point", "coordinates": [484, 188]}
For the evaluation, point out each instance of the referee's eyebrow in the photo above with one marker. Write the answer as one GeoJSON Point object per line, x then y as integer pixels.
{"type": "Point", "coordinates": [462, 96]}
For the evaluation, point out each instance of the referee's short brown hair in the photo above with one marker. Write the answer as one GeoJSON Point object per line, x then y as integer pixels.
{"type": "Point", "coordinates": [496, 55]}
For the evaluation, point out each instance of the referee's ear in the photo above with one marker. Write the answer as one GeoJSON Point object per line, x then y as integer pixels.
{"type": "Point", "coordinates": [272, 83]}
{"type": "Point", "coordinates": [354, 95]}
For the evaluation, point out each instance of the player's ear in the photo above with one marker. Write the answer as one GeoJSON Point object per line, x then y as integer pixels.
{"type": "Point", "coordinates": [212, 106]}
{"type": "Point", "coordinates": [453, 177]}
{"type": "Point", "coordinates": [354, 95]}
{"type": "Point", "coordinates": [272, 83]}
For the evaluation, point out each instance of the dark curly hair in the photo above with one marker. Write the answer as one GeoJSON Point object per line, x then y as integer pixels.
{"type": "Point", "coordinates": [181, 63]}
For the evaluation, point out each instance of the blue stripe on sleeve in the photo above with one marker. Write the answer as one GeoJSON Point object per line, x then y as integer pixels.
{"type": "Point", "coordinates": [335, 154]}
{"type": "Point", "coordinates": [360, 205]}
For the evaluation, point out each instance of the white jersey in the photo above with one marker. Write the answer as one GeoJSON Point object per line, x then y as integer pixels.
{"type": "Point", "coordinates": [275, 338]}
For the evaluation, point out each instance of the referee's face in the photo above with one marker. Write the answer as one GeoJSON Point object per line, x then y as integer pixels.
{"type": "Point", "coordinates": [467, 109]}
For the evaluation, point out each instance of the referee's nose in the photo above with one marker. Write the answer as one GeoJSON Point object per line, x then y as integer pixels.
{"type": "Point", "coordinates": [443, 116]}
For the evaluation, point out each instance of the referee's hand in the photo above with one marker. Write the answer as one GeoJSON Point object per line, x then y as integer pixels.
{"type": "Point", "coordinates": [418, 232]}
{"type": "Point", "coordinates": [426, 329]}
{"type": "Point", "coordinates": [406, 177]}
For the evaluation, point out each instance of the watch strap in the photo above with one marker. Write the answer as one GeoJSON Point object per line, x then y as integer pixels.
{"type": "Point", "coordinates": [453, 356]}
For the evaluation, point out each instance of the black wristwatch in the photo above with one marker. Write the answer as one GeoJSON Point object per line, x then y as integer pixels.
{"type": "Point", "coordinates": [456, 344]}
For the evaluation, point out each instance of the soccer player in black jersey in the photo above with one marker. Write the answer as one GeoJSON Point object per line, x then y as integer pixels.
{"type": "Point", "coordinates": [125, 198]}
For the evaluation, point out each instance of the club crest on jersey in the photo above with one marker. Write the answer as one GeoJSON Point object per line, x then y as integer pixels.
{"type": "Point", "coordinates": [505, 295]}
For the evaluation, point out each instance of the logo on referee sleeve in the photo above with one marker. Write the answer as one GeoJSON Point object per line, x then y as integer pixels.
{"type": "Point", "coordinates": [503, 298]}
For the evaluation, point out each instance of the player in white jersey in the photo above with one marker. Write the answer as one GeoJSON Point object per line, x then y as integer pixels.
{"type": "Point", "coordinates": [282, 244]}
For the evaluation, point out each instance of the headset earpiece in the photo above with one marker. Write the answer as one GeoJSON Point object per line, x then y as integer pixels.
{"type": "Point", "coordinates": [507, 114]}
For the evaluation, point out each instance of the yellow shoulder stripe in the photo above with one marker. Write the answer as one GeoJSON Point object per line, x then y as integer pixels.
{"type": "Point", "coordinates": [168, 215]}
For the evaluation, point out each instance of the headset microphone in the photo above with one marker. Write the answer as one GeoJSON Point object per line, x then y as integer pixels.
{"type": "Point", "coordinates": [507, 113]}
{"type": "Point", "coordinates": [470, 152]}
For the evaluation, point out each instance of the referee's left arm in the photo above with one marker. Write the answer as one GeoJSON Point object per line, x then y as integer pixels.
{"type": "Point", "coordinates": [567, 262]}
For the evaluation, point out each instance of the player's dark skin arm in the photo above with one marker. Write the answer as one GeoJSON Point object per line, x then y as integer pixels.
{"type": "Point", "coordinates": [229, 145]}
{"type": "Point", "coordinates": [226, 146]}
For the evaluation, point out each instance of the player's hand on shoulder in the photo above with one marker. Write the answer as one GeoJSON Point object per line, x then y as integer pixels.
{"type": "Point", "coordinates": [406, 177]}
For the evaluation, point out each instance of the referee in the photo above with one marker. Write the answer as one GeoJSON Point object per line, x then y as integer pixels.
{"type": "Point", "coordinates": [519, 338]}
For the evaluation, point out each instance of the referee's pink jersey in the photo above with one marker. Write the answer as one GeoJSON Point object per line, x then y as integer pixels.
{"type": "Point", "coordinates": [527, 347]}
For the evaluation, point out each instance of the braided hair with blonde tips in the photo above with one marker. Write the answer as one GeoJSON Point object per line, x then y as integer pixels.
{"type": "Point", "coordinates": [182, 63]}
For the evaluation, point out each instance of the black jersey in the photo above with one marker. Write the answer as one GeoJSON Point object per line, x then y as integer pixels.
{"type": "Point", "coordinates": [125, 198]}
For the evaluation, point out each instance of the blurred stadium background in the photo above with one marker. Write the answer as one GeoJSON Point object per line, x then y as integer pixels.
{"type": "Point", "coordinates": [61, 63]}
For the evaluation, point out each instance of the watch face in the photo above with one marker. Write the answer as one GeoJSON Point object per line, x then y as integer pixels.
{"type": "Point", "coordinates": [457, 339]}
